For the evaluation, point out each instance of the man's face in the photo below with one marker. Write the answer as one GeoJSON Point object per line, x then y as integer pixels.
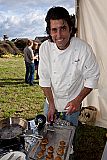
{"type": "Point", "coordinates": [60, 33]}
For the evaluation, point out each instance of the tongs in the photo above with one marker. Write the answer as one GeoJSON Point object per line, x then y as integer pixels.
{"type": "Point", "coordinates": [39, 137]}
{"type": "Point", "coordinates": [50, 126]}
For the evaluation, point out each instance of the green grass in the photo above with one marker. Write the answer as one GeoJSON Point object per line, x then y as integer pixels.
{"type": "Point", "coordinates": [16, 97]}
{"type": "Point", "coordinates": [89, 142]}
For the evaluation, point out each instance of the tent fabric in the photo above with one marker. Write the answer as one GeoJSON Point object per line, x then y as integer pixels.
{"type": "Point", "coordinates": [92, 27]}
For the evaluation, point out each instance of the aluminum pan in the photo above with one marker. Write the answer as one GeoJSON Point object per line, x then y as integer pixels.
{"type": "Point", "coordinates": [12, 127]}
{"type": "Point", "coordinates": [60, 133]}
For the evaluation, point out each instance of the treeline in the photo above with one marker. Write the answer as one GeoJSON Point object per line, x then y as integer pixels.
{"type": "Point", "coordinates": [12, 47]}
{"type": "Point", "coordinates": [16, 46]}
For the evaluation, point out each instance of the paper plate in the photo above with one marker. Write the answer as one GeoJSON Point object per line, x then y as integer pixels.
{"type": "Point", "coordinates": [14, 156]}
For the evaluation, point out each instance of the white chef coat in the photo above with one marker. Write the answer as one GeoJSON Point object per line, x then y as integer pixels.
{"type": "Point", "coordinates": [67, 71]}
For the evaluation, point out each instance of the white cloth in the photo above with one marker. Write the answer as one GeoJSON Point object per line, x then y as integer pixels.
{"type": "Point", "coordinates": [92, 27]}
{"type": "Point", "coordinates": [28, 54]}
{"type": "Point", "coordinates": [104, 155]}
{"type": "Point", "coordinates": [67, 71]}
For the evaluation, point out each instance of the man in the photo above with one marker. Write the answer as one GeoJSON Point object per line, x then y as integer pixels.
{"type": "Point", "coordinates": [29, 63]}
{"type": "Point", "coordinates": [68, 70]}
{"type": "Point", "coordinates": [36, 61]}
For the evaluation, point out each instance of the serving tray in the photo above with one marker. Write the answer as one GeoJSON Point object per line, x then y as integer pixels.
{"type": "Point", "coordinates": [54, 136]}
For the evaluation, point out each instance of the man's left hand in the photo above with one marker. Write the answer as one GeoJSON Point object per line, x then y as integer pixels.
{"type": "Point", "coordinates": [72, 106]}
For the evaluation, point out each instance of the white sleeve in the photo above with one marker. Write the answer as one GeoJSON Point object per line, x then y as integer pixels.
{"type": "Point", "coordinates": [43, 69]}
{"type": "Point", "coordinates": [91, 69]}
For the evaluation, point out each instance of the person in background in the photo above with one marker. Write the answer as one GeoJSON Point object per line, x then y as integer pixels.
{"type": "Point", "coordinates": [29, 63]}
{"type": "Point", "coordinates": [68, 70]}
{"type": "Point", "coordinates": [36, 61]}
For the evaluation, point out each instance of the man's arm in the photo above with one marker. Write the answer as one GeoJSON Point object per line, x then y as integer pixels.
{"type": "Point", "coordinates": [48, 93]}
{"type": "Point", "coordinates": [75, 103]}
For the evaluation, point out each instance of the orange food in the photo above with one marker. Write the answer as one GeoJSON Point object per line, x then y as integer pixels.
{"type": "Point", "coordinates": [40, 154]}
{"type": "Point", "coordinates": [49, 156]}
{"type": "Point", "coordinates": [62, 143]}
{"type": "Point", "coordinates": [44, 141]}
{"type": "Point", "coordinates": [43, 147]}
{"type": "Point", "coordinates": [60, 151]}
{"type": "Point", "coordinates": [50, 149]}
{"type": "Point", "coordinates": [58, 158]}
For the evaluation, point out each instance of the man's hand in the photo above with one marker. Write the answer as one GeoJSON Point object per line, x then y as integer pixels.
{"type": "Point", "coordinates": [72, 106]}
{"type": "Point", "coordinates": [51, 113]}
{"type": "Point", "coordinates": [48, 93]}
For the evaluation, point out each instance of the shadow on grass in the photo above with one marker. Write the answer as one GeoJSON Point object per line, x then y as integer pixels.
{"type": "Point", "coordinates": [14, 82]}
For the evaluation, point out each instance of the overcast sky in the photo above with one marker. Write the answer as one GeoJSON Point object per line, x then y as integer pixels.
{"type": "Point", "coordinates": [26, 18]}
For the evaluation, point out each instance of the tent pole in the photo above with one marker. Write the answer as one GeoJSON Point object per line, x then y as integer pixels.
{"type": "Point", "coordinates": [77, 16]}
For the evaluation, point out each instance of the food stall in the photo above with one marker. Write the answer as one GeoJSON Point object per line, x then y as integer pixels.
{"type": "Point", "coordinates": [35, 139]}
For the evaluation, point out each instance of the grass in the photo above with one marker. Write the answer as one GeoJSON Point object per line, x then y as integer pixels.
{"type": "Point", "coordinates": [20, 99]}
{"type": "Point", "coordinates": [16, 97]}
{"type": "Point", "coordinates": [89, 142]}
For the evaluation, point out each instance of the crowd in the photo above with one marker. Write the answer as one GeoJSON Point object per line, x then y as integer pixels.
{"type": "Point", "coordinates": [31, 58]}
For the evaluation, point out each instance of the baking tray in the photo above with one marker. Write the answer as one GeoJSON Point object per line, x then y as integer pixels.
{"type": "Point", "coordinates": [65, 133]}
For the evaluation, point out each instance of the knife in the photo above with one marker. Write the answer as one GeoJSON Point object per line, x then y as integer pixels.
{"type": "Point", "coordinates": [19, 158]}
{"type": "Point", "coordinates": [12, 155]}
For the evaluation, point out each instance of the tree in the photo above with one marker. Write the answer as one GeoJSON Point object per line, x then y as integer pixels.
{"type": "Point", "coordinates": [5, 37]}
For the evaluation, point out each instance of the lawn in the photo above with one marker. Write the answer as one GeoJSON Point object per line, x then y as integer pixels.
{"type": "Point", "coordinates": [20, 99]}
{"type": "Point", "coordinates": [89, 142]}
{"type": "Point", "coordinates": [16, 97]}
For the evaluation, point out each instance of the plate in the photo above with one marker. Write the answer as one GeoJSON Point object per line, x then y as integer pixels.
{"type": "Point", "coordinates": [15, 154]}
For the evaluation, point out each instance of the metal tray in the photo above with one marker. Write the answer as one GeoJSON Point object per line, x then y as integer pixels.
{"type": "Point", "coordinates": [65, 133]}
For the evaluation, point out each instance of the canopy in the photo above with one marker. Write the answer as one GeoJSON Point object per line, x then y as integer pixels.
{"type": "Point", "coordinates": [92, 27]}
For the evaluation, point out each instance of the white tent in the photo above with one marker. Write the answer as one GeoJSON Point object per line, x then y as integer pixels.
{"type": "Point", "coordinates": [92, 27]}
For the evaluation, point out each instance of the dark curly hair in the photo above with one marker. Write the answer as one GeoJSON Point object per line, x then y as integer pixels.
{"type": "Point", "coordinates": [56, 13]}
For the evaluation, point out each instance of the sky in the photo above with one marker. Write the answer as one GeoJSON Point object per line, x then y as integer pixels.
{"type": "Point", "coordinates": [26, 18]}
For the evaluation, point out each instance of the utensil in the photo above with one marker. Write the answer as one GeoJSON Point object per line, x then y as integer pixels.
{"type": "Point", "coordinates": [11, 156]}
{"type": "Point", "coordinates": [12, 127]}
{"type": "Point", "coordinates": [33, 150]}
{"type": "Point", "coordinates": [19, 158]}
{"type": "Point", "coordinates": [16, 155]}
{"type": "Point", "coordinates": [51, 126]}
